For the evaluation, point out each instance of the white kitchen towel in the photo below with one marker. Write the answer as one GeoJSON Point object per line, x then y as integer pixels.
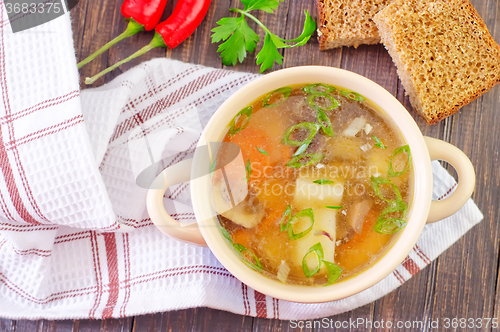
{"type": "Point", "coordinates": [75, 237]}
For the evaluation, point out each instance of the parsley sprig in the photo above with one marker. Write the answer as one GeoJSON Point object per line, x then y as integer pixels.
{"type": "Point", "coordinates": [239, 38]}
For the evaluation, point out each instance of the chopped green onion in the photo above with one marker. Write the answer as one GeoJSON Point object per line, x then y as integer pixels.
{"type": "Point", "coordinates": [352, 95]}
{"type": "Point", "coordinates": [405, 148]}
{"type": "Point", "coordinates": [333, 207]}
{"type": "Point", "coordinates": [241, 249]}
{"type": "Point", "coordinates": [310, 126]}
{"type": "Point", "coordinates": [312, 129]}
{"type": "Point", "coordinates": [311, 89]}
{"type": "Point", "coordinates": [323, 181]}
{"type": "Point", "coordinates": [285, 91]}
{"type": "Point", "coordinates": [378, 143]}
{"type": "Point", "coordinates": [247, 111]}
{"type": "Point", "coordinates": [325, 123]}
{"type": "Point", "coordinates": [287, 213]}
{"type": "Point", "coordinates": [334, 272]}
{"type": "Point", "coordinates": [248, 168]}
{"type": "Point", "coordinates": [389, 226]}
{"type": "Point", "coordinates": [308, 213]}
{"type": "Point", "coordinates": [212, 166]}
{"type": "Point", "coordinates": [305, 160]}
{"type": "Point", "coordinates": [394, 206]}
{"type": "Point", "coordinates": [262, 151]}
{"type": "Point", "coordinates": [301, 149]}
{"type": "Point", "coordinates": [311, 100]}
{"type": "Point", "coordinates": [226, 235]}
{"type": "Point", "coordinates": [317, 249]}
{"type": "Point", "coordinates": [377, 181]}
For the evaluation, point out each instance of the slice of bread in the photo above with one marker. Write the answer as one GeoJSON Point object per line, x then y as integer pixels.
{"type": "Point", "coordinates": [347, 22]}
{"type": "Point", "coordinates": [443, 51]}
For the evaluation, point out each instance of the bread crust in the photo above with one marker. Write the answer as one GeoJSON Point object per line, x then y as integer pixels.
{"type": "Point", "coordinates": [339, 26]}
{"type": "Point", "coordinates": [456, 61]}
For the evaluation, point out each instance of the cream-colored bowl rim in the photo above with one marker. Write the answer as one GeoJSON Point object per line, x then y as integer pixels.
{"type": "Point", "coordinates": [417, 216]}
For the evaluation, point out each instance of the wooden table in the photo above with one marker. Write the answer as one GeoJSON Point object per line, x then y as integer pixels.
{"type": "Point", "coordinates": [461, 283]}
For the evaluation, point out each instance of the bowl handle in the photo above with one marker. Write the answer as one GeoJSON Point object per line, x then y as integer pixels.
{"type": "Point", "coordinates": [441, 150]}
{"type": "Point", "coordinates": [178, 173]}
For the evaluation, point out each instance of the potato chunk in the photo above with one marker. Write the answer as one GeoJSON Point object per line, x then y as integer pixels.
{"type": "Point", "coordinates": [308, 193]}
{"type": "Point", "coordinates": [345, 148]}
{"type": "Point", "coordinates": [323, 231]}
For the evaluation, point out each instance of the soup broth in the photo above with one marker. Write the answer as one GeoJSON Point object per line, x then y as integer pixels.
{"type": "Point", "coordinates": [320, 188]}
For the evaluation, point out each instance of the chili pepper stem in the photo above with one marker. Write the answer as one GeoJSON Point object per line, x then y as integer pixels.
{"type": "Point", "coordinates": [133, 27]}
{"type": "Point", "coordinates": [156, 42]}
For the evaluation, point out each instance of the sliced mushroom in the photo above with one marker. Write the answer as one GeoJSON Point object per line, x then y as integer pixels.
{"type": "Point", "coordinates": [357, 214]}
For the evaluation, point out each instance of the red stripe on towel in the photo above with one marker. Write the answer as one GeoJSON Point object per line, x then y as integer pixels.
{"type": "Point", "coordinates": [260, 304]}
{"type": "Point", "coordinates": [4, 160]}
{"type": "Point", "coordinates": [421, 254]}
{"type": "Point", "coordinates": [112, 261]}
{"type": "Point", "coordinates": [11, 185]}
{"type": "Point", "coordinates": [98, 276]}
{"type": "Point", "coordinates": [399, 277]}
{"type": "Point", "coordinates": [40, 106]}
{"type": "Point", "coordinates": [246, 303]}
{"type": "Point", "coordinates": [126, 258]}
{"type": "Point", "coordinates": [410, 265]}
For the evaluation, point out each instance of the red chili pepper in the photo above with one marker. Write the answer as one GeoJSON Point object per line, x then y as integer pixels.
{"type": "Point", "coordinates": [141, 14]}
{"type": "Point", "coordinates": [145, 12]}
{"type": "Point", "coordinates": [185, 18]}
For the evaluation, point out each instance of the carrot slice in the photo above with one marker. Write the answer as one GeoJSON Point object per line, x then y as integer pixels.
{"type": "Point", "coordinates": [272, 219]}
{"type": "Point", "coordinates": [243, 237]}
{"type": "Point", "coordinates": [362, 247]}
{"type": "Point", "coordinates": [369, 223]}
{"type": "Point", "coordinates": [249, 140]}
